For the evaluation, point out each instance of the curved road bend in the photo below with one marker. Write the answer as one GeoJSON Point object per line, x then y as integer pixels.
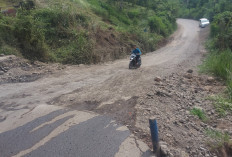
{"type": "Point", "coordinates": [35, 120]}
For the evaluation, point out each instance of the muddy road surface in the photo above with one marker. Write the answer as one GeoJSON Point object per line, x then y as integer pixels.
{"type": "Point", "coordinates": [108, 89]}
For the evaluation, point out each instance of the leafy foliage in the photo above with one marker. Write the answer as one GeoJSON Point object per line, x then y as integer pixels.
{"type": "Point", "coordinates": [7, 31]}
{"type": "Point", "coordinates": [63, 32]}
{"type": "Point", "coordinates": [156, 25]}
{"type": "Point", "coordinates": [197, 9]}
{"type": "Point", "coordinates": [219, 12]}
{"type": "Point", "coordinates": [218, 63]}
{"type": "Point", "coordinates": [40, 33]}
{"type": "Point", "coordinates": [221, 30]}
{"type": "Point", "coordinates": [30, 34]}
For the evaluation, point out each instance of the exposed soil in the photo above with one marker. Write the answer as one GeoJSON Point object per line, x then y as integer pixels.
{"type": "Point", "coordinates": [171, 100]}
{"type": "Point", "coordinates": [109, 46]}
{"type": "Point", "coordinates": [130, 96]}
{"type": "Point", "coordinates": [14, 69]}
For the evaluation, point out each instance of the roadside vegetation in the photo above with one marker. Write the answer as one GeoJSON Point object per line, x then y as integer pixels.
{"type": "Point", "coordinates": [196, 9]}
{"type": "Point", "coordinates": [219, 141]}
{"type": "Point", "coordinates": [199, 113]}
{"type": "Point", "coordinates": [85, 32]}
{"type": "Point", "coordinates": [219, 60]}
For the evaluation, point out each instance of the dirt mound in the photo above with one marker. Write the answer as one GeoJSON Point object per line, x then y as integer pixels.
{"type": "Point", "coordinates": [171, 100]}
{"type": "Point", "coordinates": [15, 69]}
{"type": "Point", "coordinates": [110, 45]}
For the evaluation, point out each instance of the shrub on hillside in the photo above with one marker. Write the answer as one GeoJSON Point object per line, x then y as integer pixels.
{"type": "Point", "coordinates": [31, 37]}
{"type": "Point", "coordinates": [156, 25]}
{"type": "Point", "coordinates": [6, 31]}
{"type": "Point", "coordinates": [219, 64]}
{"type": "Point", "coordinates": [58, 24]}
{"type": "Point", "coordinates": [39, 33]}
{"type": "Point", "coordinates": [221, 30]}
{"type": "Point", "coordinates": [110, 13]}
{"type": "Point", "coordinates": [80, 51]}
{"type": "Point", "coordinates": [60, 33]}
{"type": "Point", "coordinates": [133, 14]}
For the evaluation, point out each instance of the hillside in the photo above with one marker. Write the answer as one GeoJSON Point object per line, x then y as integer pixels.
{"type": "Point", "coordinates": [83, 32]}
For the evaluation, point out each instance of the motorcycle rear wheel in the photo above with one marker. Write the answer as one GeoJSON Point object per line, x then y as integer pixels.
{"type": "Point", "coordinates": [130, 65]}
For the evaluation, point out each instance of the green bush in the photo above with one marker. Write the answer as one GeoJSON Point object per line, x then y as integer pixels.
{"type": "Point", "coordinates": [61, 33]}
{"type": "Point", "coordinates": [9, 50]}
{"type": "Point", "coordinates": [218, 63]}
{"type": "Point", "coordinates": [110, 13]}
{"type": "Point", "coordinates": [7, 31]}
{"type": "Point", "coordinates": [199, 8]}
{"type": "Point", "coordinates": [41, 35]}
{"type": "Point", "coordinates": [221, 30]}
{"type": "Point", "coordinates": [156, 25]}
{"type": "Point", "coordinates": [133, 14]}
{"type": "Point", "coordinates": [80, 51]}
{"type": "Point", "coordinates": [219, 60]}
{"type": "Point", "coordinates": [58, 24]}
{"type": "Point", "coordinates": [146, 41]}
{"type": "Point", "coordinates": [31, 37]}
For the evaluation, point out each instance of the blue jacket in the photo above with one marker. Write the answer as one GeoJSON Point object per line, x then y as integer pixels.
{"type": "Point", "coordinates": [137, 51]}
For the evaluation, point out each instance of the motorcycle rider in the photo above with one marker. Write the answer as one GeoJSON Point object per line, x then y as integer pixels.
{"type": "Point", "coordinates": [137, 52]}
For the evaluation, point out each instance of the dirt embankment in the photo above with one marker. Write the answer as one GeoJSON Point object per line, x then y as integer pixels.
{"type": "Point", "coordinates": [15, 69]}
{"type": "Point", "coordinates": [171, 100]}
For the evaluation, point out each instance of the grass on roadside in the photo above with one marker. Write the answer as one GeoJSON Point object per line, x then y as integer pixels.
{"type": "Point", "coordinates": [219, 142]}
{"type": "Point", "coordinates": [219, 63]}
{"type": "Point", "coordinates": [223, 106]}
{"type": "Point", "coordinates": [199, 113]}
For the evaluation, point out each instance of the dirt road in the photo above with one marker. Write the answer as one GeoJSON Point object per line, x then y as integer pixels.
{"type": "Point", "coordinates": [100, 87]}
{"type": "Point", "coordinates": [90, 87]}
{"type": "Point", "coordinates": [110, 88]}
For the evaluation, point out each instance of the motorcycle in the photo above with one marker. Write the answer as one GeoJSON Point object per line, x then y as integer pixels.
{"type": "Point", "coordinates": [133, 64]}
